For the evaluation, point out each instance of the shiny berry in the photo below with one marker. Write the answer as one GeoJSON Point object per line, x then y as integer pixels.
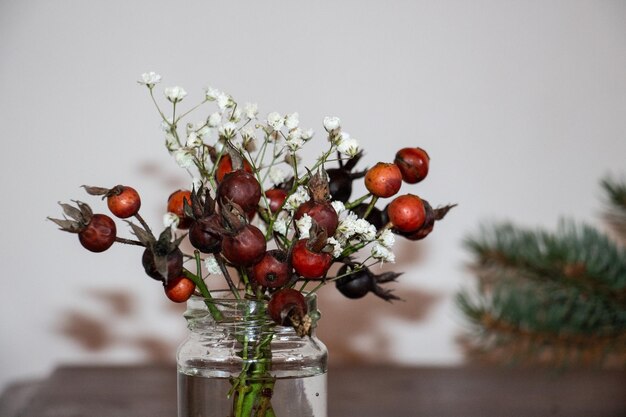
{"type": "Point", "coordinates": [123, 201]}
{"type": "Point", "coordinates": [383, 179]}
{"type": "Point", "coordinates": [286, 303]}
{"type": "Point", "coordinates": [240, 187]}
{"type": "Point", "coordinates": [173, 260]}
{"type": "Point", "coordinates": [413, 163]}
{"type": "Point", "coordinates": [407, 213]}
{"type": "Point", "coordinates": [322, 212]}
{"type": "Point", "coordinates": [355, 284]}
{"type": "Point", "coordinates": [179, 289]}
{"type": "Point", "coordinates": [245, 247]}
{"type": "Point", "coordinates": [272, 270]}
{"type": "Point", "coordinates": [276, 198]}
{"type": "Point", "coordinates": [225, 166]}
{"type": "Point", "coordinates": [175, 204]}
{"type": "Point", "coordinates": [99, 234]}
{"type": "Point", "coordinates": [204, 235]}
{"type": "Point", "coordinates": [309, 263]}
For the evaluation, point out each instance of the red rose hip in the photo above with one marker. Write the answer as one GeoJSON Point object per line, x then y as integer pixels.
{"type": "Point", "coordinates": [179, 289]}
{"type": "Point", "coordinates": [285, 304]}
{"type": "Point", "coordinates": [272, 270]}
{"type": "Point", "coordinates": [413, 164]}
{"type": "Point", "coordinates": [407, 213]}
{"type": "Point", "coordinates": [175, 204]}
{"type": "Point", "coordinates": [383, 179]}
{"type": "Point", "coordinates": [99, 234]}
{"type": "Point", "coordinates": [123, 201]}
{"type": "Point", "coordinates": [308, 263]}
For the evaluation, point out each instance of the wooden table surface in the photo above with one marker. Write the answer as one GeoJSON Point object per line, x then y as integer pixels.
{"type": "Point", "coordinates": [150, 391]}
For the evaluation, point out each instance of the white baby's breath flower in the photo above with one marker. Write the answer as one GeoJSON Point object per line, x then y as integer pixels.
{"type": "Point", "coordinates": [193, 141]}
{"type": "Point", "coordinates": [203, 132]}
{"type": "Point", "coordinates": [166, 125]}
{"type": "Point", "coordinates": [215, 119]}
{"type": "Point", "coordinates": [365, 229]}
{"type": "Point", "coordinates": [304, 225]}
{"type": "Point", "coordinates": [170, 220]}
{"type": "Point", "coordinates": [251, 110]}
{"type": "Point", "coordinates": [338, 206]}
{"type": "Point", "coordinates": [228, 130]}
{"type": "Point", "coordinates": [171, 143]}
{"type": "Point", "coordinates": [292, 120]}
{"type": "Point", "coordinates": [387, 238]}
{"type": "Point", "coordinates": [294, 144]}
{"type": "Point", "coordinates": [224, 101]}
{"type": "Point", "coordinates": [275, 121]}
{"type": "Point", "coordinates": [337, 247]}
{"type": "Point", "coordinates": [248, 135]}
{"type": "Point", "coordinates": [211, 265]}
{"type": "Point", "coordinates": [347, 226]}
{"type": "Point", "coordinates": [277, 175]}
{"type": "Point", "coordinates": [296, 199]}
{"type": "Point", "coordinates": [184, 157]}
{"type": "Point", "coordinates": [331, 123]}
{"type": "Point", "coordinates": [291, 158]}
{"type": "Point", "coordinates": [150, 79]}
{"type": "Point", "coordinates": [219, 145]}
{"type": "Point", "coordinates": [280, 226]}
{"type": "Point", "coordinates": [347, 146]}
{"type": "Point", "coordinates": [175, 94]}
{"type": "Point", "coordinates": [382, 253]}
{"type": "Point", "coordinates": [307, 134]}
{"type": "Point", "coordinates": [212, 93]}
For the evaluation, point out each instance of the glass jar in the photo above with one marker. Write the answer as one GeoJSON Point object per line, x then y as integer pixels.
{"type": "Point", "coordinates": [236, 362]}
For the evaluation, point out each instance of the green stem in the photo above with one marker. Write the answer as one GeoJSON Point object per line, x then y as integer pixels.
{"type": "Point", "coordinates": [357, 201]}
{"type": "Point", "coordinates": [370, 207]}
{"type": "Point", "coordinates": [215, 312]}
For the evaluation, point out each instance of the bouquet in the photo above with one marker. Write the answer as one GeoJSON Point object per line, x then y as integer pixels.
{"type": "Point", "coordinates": [271, 227]}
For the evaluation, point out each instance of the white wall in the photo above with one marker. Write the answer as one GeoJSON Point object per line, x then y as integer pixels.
{"type": "Point", "coordinates": [521, 105]}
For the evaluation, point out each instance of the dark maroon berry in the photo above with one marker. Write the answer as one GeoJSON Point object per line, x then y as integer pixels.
{"type": "Point", "coordinates": [204, 236]}
{"type": "Point", "coordinates": [285, 304]}
{"type": "Point", "coordinates": [99, 234]}
{"type": "Point", "coordinates": [272, 270]}
{"type": "Point", "coordinates": [244, 247]}
{"type": "Point", "coordinates": [173, 264]}
{"type": "Point", "coordinates": [355, 284]}
{"type": "Point", "coordinates": [240, 187]}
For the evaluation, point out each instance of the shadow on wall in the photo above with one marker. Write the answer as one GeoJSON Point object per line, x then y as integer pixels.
{"type": "Point", "coordinates": [356, 331]}
{"type": "Point", "coordinates": [98, 332]}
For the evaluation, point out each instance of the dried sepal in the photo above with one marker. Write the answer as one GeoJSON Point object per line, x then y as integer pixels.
{"type": "Point", "coordinates": [96, 190]}
{"type": "Point", "coordinates": [440, 212]}
{"type": "Point", "coordinates": [79, 217]}
{"type": "Point", "coordinates": [144, 236]}
{"type": "Point", "coordinates": [317, 237]}
{"type": "Point", "coordinates": [67, 225]}
{"type": "Point", "coordinates": [318, 186]}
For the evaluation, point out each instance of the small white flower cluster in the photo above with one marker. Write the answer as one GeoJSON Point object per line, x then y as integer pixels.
{"type": "Point", "coordinates": [295, 137]}
{"type": "Point", "coordinates": [346, 145]}
{"type": "Point", "coordinates": [294, 201]}
{"type": "Point", "coordinates": [355, 230]}
{"type": "Point", "coordinates": [211, 265]}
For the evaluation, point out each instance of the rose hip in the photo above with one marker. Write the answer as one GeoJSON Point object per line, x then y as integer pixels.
{"type": "Point", "coordinates": [123, 201]}
{"type": "Point", "coordinates": [307, 262]}
{"type": "Point", "coordinates": [99, 234]}
{"type": "Point", "coordinates": [272, 270]}
{"type": "Point", "coordinates": [179, 289]}
{"type": "Point", "coordinates": [245, 247]}
{"type": "Point", "coordinates": [413, 163]}
{"type": "Point", "coordinates": [286, 303]}
{"type": "Point", "coordinates": [175, 204]}
{"type": "Point", "coordinates": [407, 213]}
{"type": "Point", "coordinates": [383, 179]}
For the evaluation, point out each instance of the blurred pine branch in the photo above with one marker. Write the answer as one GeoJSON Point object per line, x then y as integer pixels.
{"type": "Point", "coordinates": [556, 298]}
